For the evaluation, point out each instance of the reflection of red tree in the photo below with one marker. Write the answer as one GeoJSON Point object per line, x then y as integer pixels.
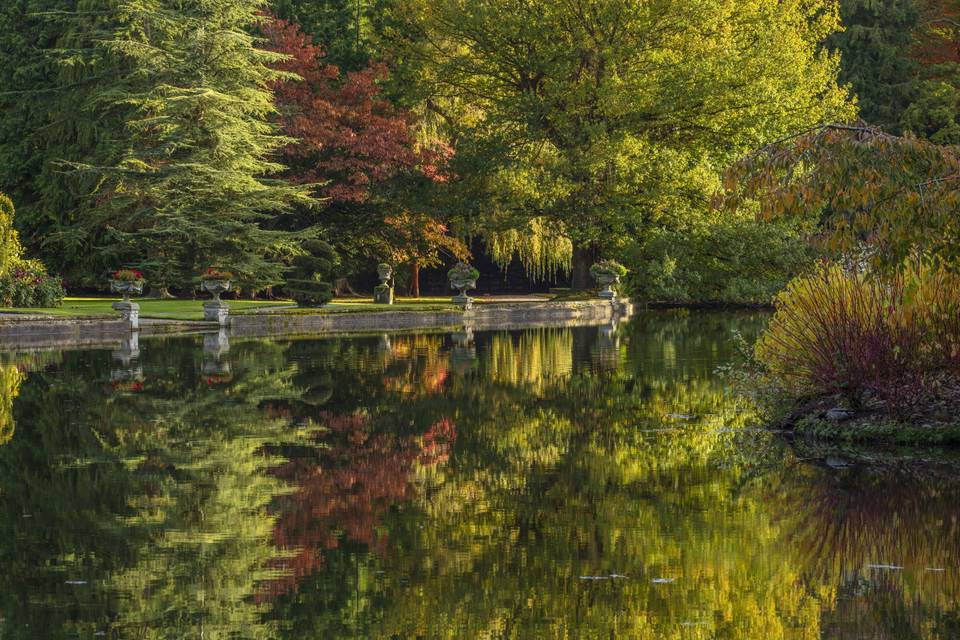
{"type": "Point", "coordinates": [436, 442]}
{"type": "Point", "coordinates": [346, 488]}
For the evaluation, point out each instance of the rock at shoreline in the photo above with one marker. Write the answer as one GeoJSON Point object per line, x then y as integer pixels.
{"type": "Point", "coordinates": [838, 415]}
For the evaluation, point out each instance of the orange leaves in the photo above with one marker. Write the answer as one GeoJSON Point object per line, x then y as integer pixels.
{"type": "Point", "coordinates": [900, 192]}
{"type": "Point", "coordinates": [348, 137]}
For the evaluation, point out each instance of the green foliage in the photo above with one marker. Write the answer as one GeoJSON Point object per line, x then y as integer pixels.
{"type": "Point", "coordinates": [726, 259]}
{"type": "Point", "coordinates": [154, 146]}
{"type": "Point", "coordinates": [305, 286]}
{"type": "Point", "coordinates": [608, 267]}
{"type": "Point", "coordinates": [875, 57]}
{"type": "Point", "coordinates": [888, 197]}
{"type": "Point", "coordinates": [26, 283]}
{"type": "Point", "coordinates": [23, 283]}
{"type": "Point", "coordinates": [935, 114]}
{"type": "Point", "coordinates": [343, 27]}
{"type": "Point", "coordinates": [10, 249]}
{"type": "Point", "coordinates": [55, 85]}
{"type": "Point", "coordinates": [589, 115]}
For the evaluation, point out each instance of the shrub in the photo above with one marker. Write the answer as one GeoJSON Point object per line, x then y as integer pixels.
{"type": "Point", "coordinates": [895, 340]}
{"type": "Point", "coordinates": [10, 249]}
{"type": "Point", "coordinates": [734, 259]}
{"type": "Point", "coordinates": [305, 287]}
{"type": "Point", "coordinates": [27, 284]}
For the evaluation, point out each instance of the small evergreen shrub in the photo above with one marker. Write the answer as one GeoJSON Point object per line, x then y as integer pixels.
{"type": "Point", "coordinates": [894, 340]}
{"type": "Point", "coordinates": [305, 286]}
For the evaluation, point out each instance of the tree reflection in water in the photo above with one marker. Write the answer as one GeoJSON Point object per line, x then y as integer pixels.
{"type": "Point", "coordinates": [553, 483]}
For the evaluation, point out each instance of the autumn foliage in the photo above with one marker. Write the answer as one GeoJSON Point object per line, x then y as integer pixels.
{"type": "Point", "coordinates": [349, 137]}
{"type": "Point", "coordinates": [895, 196]}
{"type": "Point", "coordinates": [346, 490]}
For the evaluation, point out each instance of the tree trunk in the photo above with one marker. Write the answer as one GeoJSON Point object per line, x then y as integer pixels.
{"type": "Point", "coordinates": [583, 258]}
{"type": "Point", "coordinates": [160, 293]}
{"type": "Point", "coordinates": [341, 287]}
{"type": "Point", "coordinates": [414, 279]}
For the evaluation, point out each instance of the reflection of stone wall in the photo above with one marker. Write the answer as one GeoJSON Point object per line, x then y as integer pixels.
{"type": "Point", "coordinates": [54, 332]}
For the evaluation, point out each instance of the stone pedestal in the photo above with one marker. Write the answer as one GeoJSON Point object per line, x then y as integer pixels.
{"type": "Point", "coordinates": [463, 300]}
{"type": "Point", "coordinates": [129, 311]}
{"type": "Point", "coordinates": [216, 311]}
{"type": "Point", "coordinates": [607, 293]}
{"type": "Point", "coordinates": [383, 294]}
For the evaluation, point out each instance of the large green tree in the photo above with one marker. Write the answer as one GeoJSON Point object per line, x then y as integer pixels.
{"type": "Point", "coordinates": [52, 113]}
{"type": "Point", "coordinates": [193, 187]}
{"type": "Point", "coordinates": [588, 113]}
{"type": "Point", "coordinates": [154, 143]}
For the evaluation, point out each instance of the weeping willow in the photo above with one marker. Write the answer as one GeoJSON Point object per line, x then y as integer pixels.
{"type": "Point", "coordinates": [543, 251]}
{"type": "Point", "coordinates": [537, 359]}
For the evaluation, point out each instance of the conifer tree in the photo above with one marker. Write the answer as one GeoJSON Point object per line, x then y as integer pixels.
{"type": "Point", "coordinates": [193, 186]}
{"type": "Point", "coordinates": [55, 111]}
{"type": "Point", "coordinates": [875, 57]}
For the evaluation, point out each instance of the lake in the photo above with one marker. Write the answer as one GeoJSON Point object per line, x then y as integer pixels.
{"type": "Point", "coordinates": [594, 482]}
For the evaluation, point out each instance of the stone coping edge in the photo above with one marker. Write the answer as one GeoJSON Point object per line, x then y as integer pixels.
{"type": "Point", "coordinates": [481, 317]}
{"type": "Point", "coordinates": [33, 332]}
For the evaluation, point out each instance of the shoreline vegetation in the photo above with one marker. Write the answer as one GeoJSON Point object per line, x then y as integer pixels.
{"type": "Point", "coordinates": [859, 356]}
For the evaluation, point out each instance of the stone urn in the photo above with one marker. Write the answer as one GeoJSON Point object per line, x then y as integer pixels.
{"type": "Point", "coordinates": [463, 277]}
{"type": "Point", "coordinates": [215, 288]}
{"type": "Point", "coordinates": [132, 285]}
{"type": "Point", "coordinates": [216, 310]}
{"type": "Point", "coordinates": [127, 288]}
{"type": "Point", "coordinates": [607, 274]}
{"type": "Point", "coordinates": [383, 292]}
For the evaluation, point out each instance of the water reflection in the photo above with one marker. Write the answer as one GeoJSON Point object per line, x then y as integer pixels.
{"type": "Point", "coordinates": [586, 482]}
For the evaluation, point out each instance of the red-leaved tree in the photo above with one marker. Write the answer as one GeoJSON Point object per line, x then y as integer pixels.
{"type": "Point", "coordinates": [349, 137]}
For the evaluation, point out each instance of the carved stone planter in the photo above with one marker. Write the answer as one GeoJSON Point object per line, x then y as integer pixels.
{"type": "Point", "coordinates": [607, 280]}
{"type": "Point", "coordinates": [383, 292]}
{"type": "Point", "coordinates": [463, 277]}
{"type": "Point", "coordinates": [216, 310]}
{"type": "Point", "coordinates": [129, 311]}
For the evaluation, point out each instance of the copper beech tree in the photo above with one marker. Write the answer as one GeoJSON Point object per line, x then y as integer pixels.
{"type": "Point", "coordinates": [348, 139]}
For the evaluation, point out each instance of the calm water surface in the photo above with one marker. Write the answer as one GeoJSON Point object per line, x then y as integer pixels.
{"type": "Point", "coordinates": [557, 483]}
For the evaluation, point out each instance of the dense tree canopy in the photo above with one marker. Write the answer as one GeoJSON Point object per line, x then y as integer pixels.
{"type": "Point", "coordinates": [171, 136]}
{"type": "Point", "coordinates": [590, 112]}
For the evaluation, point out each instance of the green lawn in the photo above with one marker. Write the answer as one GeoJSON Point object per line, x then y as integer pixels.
{"type": "Point", "coordinates": [149, 308]}
{"type": "Point", "coordinates": [193, 309]}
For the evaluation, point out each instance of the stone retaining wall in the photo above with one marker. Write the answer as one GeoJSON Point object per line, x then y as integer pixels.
{"type": "Point", "coordinates": [481, 317]}
{"type": "Point", "coordinates": [31, 332]}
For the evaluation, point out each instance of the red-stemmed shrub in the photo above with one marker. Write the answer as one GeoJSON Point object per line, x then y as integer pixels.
{"type": "Point", "coordinates": [892, 340]}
